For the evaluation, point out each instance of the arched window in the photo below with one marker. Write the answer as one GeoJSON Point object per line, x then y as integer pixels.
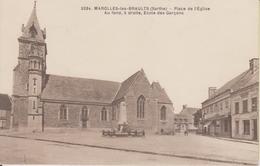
{"type": "Point", "coordinates": [84, 113]}
{"type": "Point", "coordinates": [34, 81]}
{"type": "Point", "coordinates": [163, 113]}
{"type": "Point", "coordinates": [140, 107]}
{"type": "Point", "coordinates": [104, 114]}
{"type": "Point", "coordinates": [34, 65]}
{"type": "Point", "coordinates": [63, 112]}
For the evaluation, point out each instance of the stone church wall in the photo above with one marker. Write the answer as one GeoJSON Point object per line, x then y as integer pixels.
{"type": "Point", "coordinates": [168, 124]}
{"type": "Point", "coordinates": [141, 87]}
{"type": "Point", "coordinates": [51, 116]}
{"type": "Point", "coordinates": [20, 107]}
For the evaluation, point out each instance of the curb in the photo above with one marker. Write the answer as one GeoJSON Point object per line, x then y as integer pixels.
{"type": "Point", "coordinates": [132, 150]}
{"type": "Point", "coordinates": [234, 140]}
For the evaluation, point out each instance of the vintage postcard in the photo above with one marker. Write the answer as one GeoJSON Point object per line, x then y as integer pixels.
{"type": "Point", "coordinates": [129, 82]}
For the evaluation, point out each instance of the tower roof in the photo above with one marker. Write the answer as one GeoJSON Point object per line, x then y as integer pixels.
{"type": "Point", "coordinates": [32, 28]}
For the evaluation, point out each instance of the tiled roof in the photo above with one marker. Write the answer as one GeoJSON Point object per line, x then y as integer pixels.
{"type": "Point", "coordinates": [181, 116]}
{"type": "Point", "coordinates": [159, 93]}
{"type": "Point", "coordinates": [247, 80]}
{"type": "Point", "coordinates": [91, 90]}
{"type": "Point", "coordinates": [243, 80]}
{"type": "Point", "coordinates": [79, 89]}
{"type": "Point", "coordinates": [5, 102]}
{"type": "Point", "coordinates": [189, 111]}
{"type": "Point", "coordinates": [230, 84]}
{"type": "Point", "coordinates": [126, 85]}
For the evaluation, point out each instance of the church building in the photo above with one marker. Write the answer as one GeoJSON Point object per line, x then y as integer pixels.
{"type": "Point", "coordinates": [42, 100]}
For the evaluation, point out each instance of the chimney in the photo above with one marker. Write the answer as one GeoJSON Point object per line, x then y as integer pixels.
{"type": "Point", "coordinates": [253, 65]}
{"type": "Point", "coordinates": [212, 91]}
{"type": "Point", "coordinates": [184, 106]}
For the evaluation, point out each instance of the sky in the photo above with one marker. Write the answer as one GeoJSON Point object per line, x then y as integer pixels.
{"type": "Point", "coordinates": [186, 53]}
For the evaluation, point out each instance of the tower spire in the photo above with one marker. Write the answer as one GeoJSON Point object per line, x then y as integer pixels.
{"type": "Point", "coordinates": [32, 28]}
{"type": "Point", "coordinates": [35, 4]}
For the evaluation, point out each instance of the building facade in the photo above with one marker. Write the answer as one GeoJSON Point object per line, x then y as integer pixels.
{"type": "Point", "coordinates": [5, 111]}
{"type": "Point", "coordinates": [232, 110]}
{"type": "Point", "coordinates": [43, 100]}
{"type": "Point", "coordinates": [244, 105]}
{"type": "Point", "coordinates": [185, 120]}
{"type": "Point", "coordinates": [216, 113]}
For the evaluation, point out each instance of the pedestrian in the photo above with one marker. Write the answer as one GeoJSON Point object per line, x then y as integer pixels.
{"type": "Point", "coordinates": [186, 133]}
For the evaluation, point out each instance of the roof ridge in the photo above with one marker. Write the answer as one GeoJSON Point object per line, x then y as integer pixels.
{"type": "Point", "coordinates": [133, 75]}
{"type": "Point", "coordinates": [117, 92]}
{"type": "Point", "coordinates": [244, 74]}
{"type": "Point", "coordinates": [192, 107]}
{"type": "Point", "coordinates": [247, 82]}
{"type": "Point", "coordinates": [82, 78]}
{"type": "Point", "coordinates": [241, 75]}
{"type": "Point", "coordinates": [79, 89]}
{"type": "Point", "coordinates": [133, 80]}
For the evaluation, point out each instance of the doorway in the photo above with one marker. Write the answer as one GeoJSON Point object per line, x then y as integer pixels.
{"type": "Point", "coordinates": [84, 117]}
{"type": "Point", "coordinates": [84, 124]}
{"type": "Point", "coordinates": [255, 129]}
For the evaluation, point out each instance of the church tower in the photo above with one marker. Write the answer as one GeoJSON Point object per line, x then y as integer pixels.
{"type": "Point", "coordinates": [29, 75]}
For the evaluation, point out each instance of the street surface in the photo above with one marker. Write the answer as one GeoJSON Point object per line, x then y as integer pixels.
{"type": "Point", "coordinates": [25, 151]}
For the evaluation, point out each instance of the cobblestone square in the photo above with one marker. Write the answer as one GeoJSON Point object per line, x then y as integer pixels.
{"type": "Point", "coordinates": [183, 149]}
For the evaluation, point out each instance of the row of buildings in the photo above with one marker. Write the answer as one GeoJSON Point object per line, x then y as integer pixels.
{"type": "Point", "coordinates": [232, 110]}
{"type": "Point", "coordinates": [41, 100]}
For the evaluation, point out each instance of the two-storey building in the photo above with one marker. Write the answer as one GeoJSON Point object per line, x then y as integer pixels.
{"type": "Point", "coordinates": [244, 104]}
{"type": "Point", "coordinates": [216, 111]}
{"type": "Point", "coordinates": [231, 111]}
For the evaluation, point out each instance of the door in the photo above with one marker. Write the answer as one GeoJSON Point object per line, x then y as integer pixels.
{"type": "Point", "coordinates": [84, 117]}
{"type": "Point", "coordinates": [84, 124]}
{"type": "Point", "coordinates": [255, 129]}
{"type": "Point", "coordinates": [2, 124]}
{"type": "Point", "coordinates": [237, 127]}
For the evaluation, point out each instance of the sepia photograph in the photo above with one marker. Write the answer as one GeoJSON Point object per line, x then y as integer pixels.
{"type": "Point", "coordinates": [129, 82]}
